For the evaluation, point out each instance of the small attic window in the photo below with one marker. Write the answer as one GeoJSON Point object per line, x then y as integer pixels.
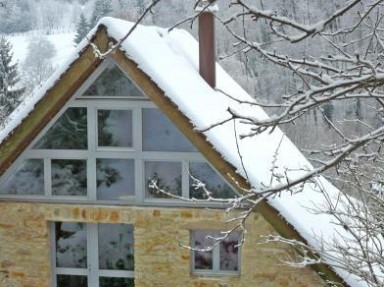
{"type": "Point", "coordinates": [224, 259]}
{"type": "Point", "coordinates": [113, 83]}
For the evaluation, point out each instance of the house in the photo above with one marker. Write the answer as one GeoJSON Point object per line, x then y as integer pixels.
{"type": "Point", "coordinates": [77, 159]}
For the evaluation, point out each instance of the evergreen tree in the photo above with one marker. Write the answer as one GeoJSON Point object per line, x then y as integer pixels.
{"type": "Point", "coordinates": [100, 9]}
{"type": "Point", "coordinates": [9, 92]}
{"type": "Point", "coordinates": [82, 29]}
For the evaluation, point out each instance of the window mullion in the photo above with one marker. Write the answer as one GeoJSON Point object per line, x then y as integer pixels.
{"type": "Point", "coordinates": [47, 177]}
{"type": "Point", "coordinates": [53, 249]}
{"type": "Point", "coordinates": [137, 129]}
{"type": "Point", "coordinates": [91, 157]}
{"type": "Point", "coordinates": [216, 255]}
{"type": "Point", "coordinates": [91, 178]}
{"type": "Point", "coordinates": [185, 179]}
{"type": "Point", "coordinates": [137, 122]}
{"type": "Point", "coordinates": [92, 128]}
{"type": "Point", "coordinates": [93, 255]}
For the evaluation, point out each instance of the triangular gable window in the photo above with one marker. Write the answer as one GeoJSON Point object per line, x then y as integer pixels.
{"type": "Point", "coordinates": [113, 83]}
{"type": "Point", "coordinates": [112, 150]}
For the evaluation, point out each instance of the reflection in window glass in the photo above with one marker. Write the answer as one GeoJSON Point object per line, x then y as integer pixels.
{"type": "Point", "coordinates": [118, 282]}
{"type": "Point", "coordinates": [202, 172]}
{"type": "Point", "coordinates": [115, 178]}
{"type": "Point", "coordinates": [160, 134]}
{"type": "Point", "coordinates": [223, 258]}
{"type": "Point", "coordinates": [114, 128]}
{"type": "Point", "coordinates": [69, 177]}
{"type": "Point", "coordinates": [71, 245]}
{"type": "Point", "coordinates": [28, 179]}
{"type": "Point", "coordinates": [167, 176]}
{"type": "Point", "coordinates": [116, 247]}
{"type": "Point", "coordinates": [113, 83]}
{"type": "Point", "coordinates": [68, 132]}
{"type": "Point", "coordinates": [72, 281]}
{"type": "Point", "coordinates": [203, 260]}
{"type": "Point", "coordinates": [229, 253]}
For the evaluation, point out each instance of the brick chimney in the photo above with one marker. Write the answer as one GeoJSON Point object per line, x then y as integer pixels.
{"type": "Point", "coordinates": [207, 50]}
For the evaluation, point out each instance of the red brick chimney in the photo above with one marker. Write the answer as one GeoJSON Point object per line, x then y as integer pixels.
{"type": "Point", "coordinates": [207, 50]}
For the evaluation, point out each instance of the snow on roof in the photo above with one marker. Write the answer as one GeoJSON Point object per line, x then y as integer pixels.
{"type": "Point", "coordinates": [170, 59]}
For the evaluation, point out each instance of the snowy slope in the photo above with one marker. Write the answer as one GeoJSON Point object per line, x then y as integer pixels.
{"type": "Point", "coordinates": [63, 43]}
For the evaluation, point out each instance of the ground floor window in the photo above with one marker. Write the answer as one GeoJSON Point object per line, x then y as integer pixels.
{"type": "Point", "coordinates": [224, 258]}
{"type": "Point", "coordinates": [92, 255]}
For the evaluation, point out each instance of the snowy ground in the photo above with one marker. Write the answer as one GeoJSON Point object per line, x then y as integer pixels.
{"type": "Point", "coordinates": [63, 43]}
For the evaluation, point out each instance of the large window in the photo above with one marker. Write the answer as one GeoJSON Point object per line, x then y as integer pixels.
{"type": "Point", "coordinates": [92, 255]}
{"type": "Point", "coordinates": [111, 144]}
{"type": "Point", "coordinates": [223, 259]}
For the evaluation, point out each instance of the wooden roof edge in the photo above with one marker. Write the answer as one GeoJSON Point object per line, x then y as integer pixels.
{"type": "Point", "coordinates": [281, 225]}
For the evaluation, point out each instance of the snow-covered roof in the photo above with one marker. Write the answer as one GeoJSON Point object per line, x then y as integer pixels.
{"type": "Point", "coordinates": [170, 59]}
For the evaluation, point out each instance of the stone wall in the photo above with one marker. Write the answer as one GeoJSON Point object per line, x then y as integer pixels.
{"type": "Point", "coordinates": [25, 259]}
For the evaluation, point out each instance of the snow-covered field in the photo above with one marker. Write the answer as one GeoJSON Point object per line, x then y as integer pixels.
{"type": "Point", "coordinates": [63, 43]}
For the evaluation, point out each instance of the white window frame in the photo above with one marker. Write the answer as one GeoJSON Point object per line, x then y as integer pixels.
{"type": "Point", "coordinates": [92, 104]}
{"type": "Point", "coordinates": [92, 271]}
{"type": "Point", "coordinates": [215, 271]}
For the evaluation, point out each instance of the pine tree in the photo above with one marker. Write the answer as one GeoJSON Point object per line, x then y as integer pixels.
{"type": "Point", "coordinates": [82, 29]}
{"type": "Point", "coordinates": [100, 9]}
{"type": "Point", "coordinates": [9, 92]}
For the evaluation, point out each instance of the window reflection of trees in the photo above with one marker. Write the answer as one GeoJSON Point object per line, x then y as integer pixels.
{"type": "Point", "coordinates": [114, 128]}
{"type": "Point", "coordinates": [214, 184]}
{"type": "Point", "coordinates": [112, 82]}
{"type": "Point", "coordinates": [166, 175]}
{"type": "Point", "coordinates": [116, 282]}
{"type": "Point", "coordinates": [69, 177]}
{"type": "Point", "coordinates": [28, 179]}
{"type": "Point", "coordinates": [223, 257]}
{"type": "Point", "coordinates": [116, 247]}
{"type": "Point", "coordinates": [115, 252]}
{"type": "Point", "coordinates": [72, 281]}
{"type": "Point", "coordinates": [71, 245]}
{"type": "Point", "coordinates": [69, 132]}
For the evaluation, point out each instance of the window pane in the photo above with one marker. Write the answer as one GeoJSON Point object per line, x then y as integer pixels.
{"type": "Point", "coordinates": [167, 176]}
{"type": "Point", "coordinates": [113, 83]}
{"type": "Point", "coordinates": [116, 282]}
{"type": "Point", "coordinates": [160, 134]}
{"type": "Point", "coordinates": [213, 182]}
{"type": "Point", "coordinates": [72, 281]}
{"type": "Point", "coordinates": [203, 260]}
{"type": "Point", "coordinates": [114, 128]}
{"type": "Point", "coordinates": [115, 178]}
{"type": "Point", "coordinates": [28, 179]}
{"type": "Point", "coordinates": [229, 253]}
{"type": "Point", "coordinates": [69, 177]}
{"type": "Point", "coordinates": [71, 245]}
{"type": "Point", "coordinates": [68, 132]}
{"type": "Point", "coordinates": [116, 247]}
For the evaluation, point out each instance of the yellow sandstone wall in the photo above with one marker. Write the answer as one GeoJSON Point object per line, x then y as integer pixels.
{"type": "Point", "coordinates": [159, 261]}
